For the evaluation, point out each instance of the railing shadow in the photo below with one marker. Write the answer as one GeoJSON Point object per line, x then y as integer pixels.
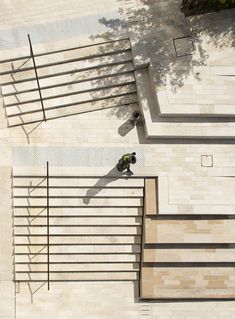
{"type": "Point", "coordinates": [23, 123]}
{"type": "Point", "coordinates": [33, 287]}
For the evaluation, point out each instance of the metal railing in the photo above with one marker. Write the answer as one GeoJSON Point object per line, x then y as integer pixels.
{"type": "Point", "coordinates": [47, 238]}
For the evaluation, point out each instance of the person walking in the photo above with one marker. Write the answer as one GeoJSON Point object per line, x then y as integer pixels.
{"type": "Point", "coordinates": [125, 161]}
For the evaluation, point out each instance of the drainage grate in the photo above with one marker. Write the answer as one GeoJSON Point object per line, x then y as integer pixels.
{"type": "Point", "coordinates": [184, 46]}
{"type": "Point", "coordinates": [206, 160]}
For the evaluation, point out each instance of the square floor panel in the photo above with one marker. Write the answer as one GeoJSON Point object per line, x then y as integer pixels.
{"type": "Point", "coordinates": [207, 160]}
{"type": "Point", "coordinates": [183, 46]}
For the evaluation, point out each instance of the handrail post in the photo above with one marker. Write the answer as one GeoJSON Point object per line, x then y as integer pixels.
{"type": "Point", "coordinates": [36, 73]}
{"type": "Point", "coordinates": [142, 239]}
{"type": "Point", "coordinates": [48, 231]}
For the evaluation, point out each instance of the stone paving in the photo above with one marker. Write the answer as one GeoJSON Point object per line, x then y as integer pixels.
{"type": "Point", "coordinates": [189, 184]}
{"type": "Point", "coordinates": [188, 64]}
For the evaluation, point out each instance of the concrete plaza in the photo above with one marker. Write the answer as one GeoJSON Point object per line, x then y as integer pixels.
{"type": "Point", "coordinates": [186, 140]}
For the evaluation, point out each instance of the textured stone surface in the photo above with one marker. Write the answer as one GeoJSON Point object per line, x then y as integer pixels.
{"type": "Point", "coordinates": [185, 186]}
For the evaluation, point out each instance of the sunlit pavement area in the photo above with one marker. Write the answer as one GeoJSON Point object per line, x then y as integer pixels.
{"type": "Point", "coordinates": [179, 74]}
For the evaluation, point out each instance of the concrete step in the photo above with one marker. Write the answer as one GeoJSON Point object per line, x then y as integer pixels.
{"type": "Point", "coordinates": [92, 96]}
{"type": "Point", "coordinates": [22, 177]}
{"type": "Point", "coordinates": [20, 109]}
{"type": "Point", "coordinates": [18, 77]}
{"type": "Point", "coordinates": [92, 267]}
{"type": "Point", "coordinates": [79, 230]}
{"type": "Point", "coordinates": [66, 57]}
{"type": "Point", "coordinates": [79, 249]}
{"type": "Point", "coordinates": [125, 192]}
{"type": "Point", "coordinates": [70, 202]}
{"type": "Point", "coordinates": [92, 74]}
{"type": "Point", "coordinates": [178, 283]}
{"type": "Point", "coordinates": [32, 116]}
{"type": "Point", "coordinates": [69, 79]}
{"type": "Point", "coordinates": [82, 81]}
{"type": "Point", "coordinates": [174, 255]}
{"type": "Point", "coordinates": [189, 231]}
{"type": "Point", "coordinates": [20, 98]}
{"type": "Point", "coordinates": [89, 85]}
{"type": "Point", "coordinates": [69, 90]}
{"type": "Point", "coordinates": [79, 258]}
{"type": "Point", "coordinates": [13, 88]}
{"type": "Point", "coordinates": [80, 240]}
{"type": "Point", "coordinates": [79, 276]}
{"type": "Point", "coordinates": [157, 127]}
{"type": "Point", "coordinates": [16, 64]}
{"type": "Point", "coordinates": [119, 100]}
{"type": "Point", "coordinates": [89, 195]}
{"type": "Point", "coordinates": [18, 119]}
{"type": "Point", "coordinates": [82, 52]}
{"type": "Point", "coordinates": [185, 97]}
{"type": "Point", "coordinates": [79, 221]}
{"type": "Point", "coordinates": [209, 95]}
{"type": "Point", "coordinates": [28, 76]}
{"type": "Point", "coordinates": [78, 212]}
{"type": "Point", "coordinates": [89, 63]}
{"type": "Point", "coordinates": [73, 96]}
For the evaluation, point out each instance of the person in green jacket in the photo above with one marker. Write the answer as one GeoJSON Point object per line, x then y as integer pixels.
{"type": "Point", "coordinates": [125, 161]}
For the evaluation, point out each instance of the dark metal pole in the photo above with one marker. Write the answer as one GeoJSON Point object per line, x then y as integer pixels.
{"type": "Point", "coordinates": [36, 73]}
{"type": "Point", "coordinates": [142, 239]}
{"type": "Point", "coordinates": [48, 231]}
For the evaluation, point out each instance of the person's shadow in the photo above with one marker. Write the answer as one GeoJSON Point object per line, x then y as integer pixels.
{"type": "Point", "coordinates": [125, 128]}
{"type": "Point", "coordinates": [111, 176]}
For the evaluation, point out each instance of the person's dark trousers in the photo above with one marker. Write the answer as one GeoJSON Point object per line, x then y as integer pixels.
{"type": "Point", "coordinates": [121, 165]}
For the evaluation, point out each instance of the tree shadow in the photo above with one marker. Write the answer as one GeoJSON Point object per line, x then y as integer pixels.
{"type": "Point", "coordinates": [152, 29]}
{"type": "Point", "coordinates": [190, 7]}
{"type": "Point", "coordinates": [219, 27]}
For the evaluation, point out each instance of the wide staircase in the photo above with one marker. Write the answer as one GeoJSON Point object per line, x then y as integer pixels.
{"type": "Point", "coordinates": [77, 228]}
{"type": "Point", "coordinates": [166, 117]}
{"type": "Point", "coordinates": [186, 256]}
{"type": "Point", "coordinates": [71, 81]}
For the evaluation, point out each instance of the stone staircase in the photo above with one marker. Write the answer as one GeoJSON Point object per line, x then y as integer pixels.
{"type": "Point", "coordinates": [72, 81]}
{"type": "Point", "coordinates": [93, 230]}
{"type": "Point", "coordinates": [208, 92]}
{"type": "Point", "coordinates": [184, 83]}
{"type": "Point", "coordinates": [185, 123]}
{"type": "Point", "coordinates": [186, 256]}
